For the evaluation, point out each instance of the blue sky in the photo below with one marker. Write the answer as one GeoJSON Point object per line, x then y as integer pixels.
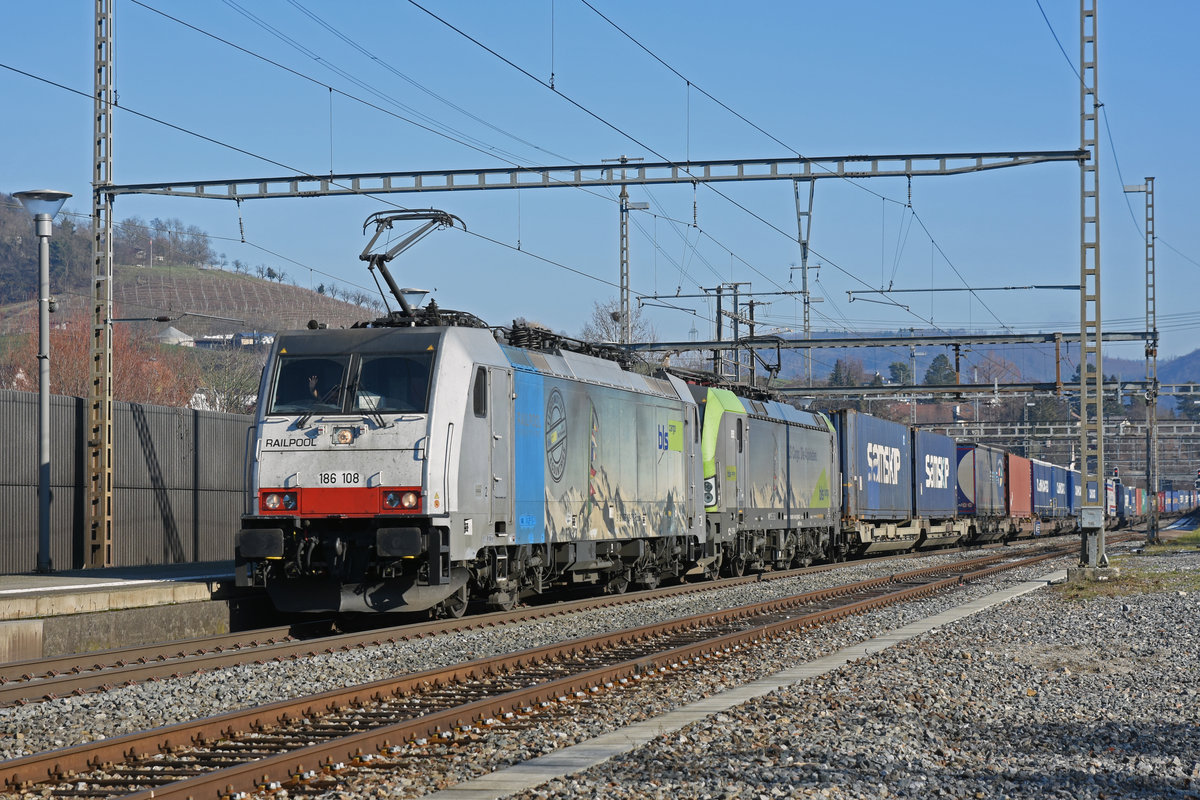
{"type": "Point", "coordinates": [825, 79]}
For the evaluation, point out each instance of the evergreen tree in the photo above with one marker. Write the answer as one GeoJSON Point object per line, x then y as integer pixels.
{"type": "Point", "coordinates": [1188, 405]}
{"type": "Point", "coordinates": [900, 372]}
{"type": "Point", "coordinates": [940, 371]}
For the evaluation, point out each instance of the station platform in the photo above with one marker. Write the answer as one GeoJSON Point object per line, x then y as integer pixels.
{"type": "Point", "coordinates": [77, 611]}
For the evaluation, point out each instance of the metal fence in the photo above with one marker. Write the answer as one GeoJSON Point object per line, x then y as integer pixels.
{"type": "Point", "coordinates": [178, 483]}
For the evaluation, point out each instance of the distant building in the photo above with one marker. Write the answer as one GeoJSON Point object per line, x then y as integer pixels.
{"type": "Point", "coordinates": [215, 341]}
{"type": "Point", "coordinates": [253, 339]}
{"type": "Point", "coordinates": [174, 336]}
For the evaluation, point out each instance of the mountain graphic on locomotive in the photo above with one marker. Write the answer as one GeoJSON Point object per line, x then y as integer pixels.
{"type": "Point", "coordinates": [423, 461]}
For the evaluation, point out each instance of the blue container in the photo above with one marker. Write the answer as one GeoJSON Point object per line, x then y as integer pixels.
{"type": "Point", "coordinates": [981, 488]}
{"type": "Point", "coordinates": [1074, 492]}
{"type": "Point", "coordinates": [1062, 503]}
{"type": "Point", "coordinates": [1042, 475]}
{"type": "Point", "coordinates": [935, 462]}
{"type": "Point", "coordinates": [1124, 511]}
{"type": "Point", "coordinates": [876, 467]}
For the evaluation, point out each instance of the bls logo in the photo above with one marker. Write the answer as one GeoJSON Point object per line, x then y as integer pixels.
{"type": "Point", "coordinates": [664, 441]}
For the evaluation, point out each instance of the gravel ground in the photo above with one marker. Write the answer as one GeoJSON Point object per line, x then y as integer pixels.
{"type": "Point", "coordinates": [1038, 698]}
{"type": "Point", "coordinates": [74, 720]}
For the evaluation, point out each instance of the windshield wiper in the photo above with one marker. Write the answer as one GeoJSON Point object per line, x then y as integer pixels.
{"type": "Point", "coordinates": [303, 418]}
{"type": "Point", "coordinates": [373, 410]}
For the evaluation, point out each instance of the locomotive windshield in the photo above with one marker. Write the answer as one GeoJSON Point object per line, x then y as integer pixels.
{"type": "Point", "coordinates": [305, 384]}
{"type": "Point", "coordinates": [394, 383]}
{"type": "Point", "coordinates": [375, 383]}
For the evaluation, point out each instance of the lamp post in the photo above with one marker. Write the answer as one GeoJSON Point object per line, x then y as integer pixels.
{"type": "Point", "coordinates": [43, 204]}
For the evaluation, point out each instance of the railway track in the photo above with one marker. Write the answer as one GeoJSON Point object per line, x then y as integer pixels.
{"type": "Point", "coordinates": [306, 743]}
{"type": "Point", "coordinates": [74, 675]}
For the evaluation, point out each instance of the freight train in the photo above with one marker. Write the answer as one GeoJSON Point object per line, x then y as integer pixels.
{"type": "Point", "coordinates": [403, 467]}
{"type": "Point", "coordinates": [425, 461]}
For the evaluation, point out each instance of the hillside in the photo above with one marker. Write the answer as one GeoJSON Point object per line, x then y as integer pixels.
{"type": "Point", "coordinates": [1002, 362]}
{"type": "Point", "coordinates": [255, 304]}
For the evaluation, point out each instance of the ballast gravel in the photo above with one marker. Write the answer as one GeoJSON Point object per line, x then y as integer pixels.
{"type": "Point", "coordinates": [1036, 698]}
{"type": "Point", "coordinates": [74, 720]}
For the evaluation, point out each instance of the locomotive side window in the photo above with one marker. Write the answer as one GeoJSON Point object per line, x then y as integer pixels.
{"type": "Point", "coordinates": [480, 392]}
{"type": "Point", "coordinates": [397, 383]}
{"type": "Point", "coordinates": [739, 434]}
{"type": "Point", "coordinates": [309, 383]}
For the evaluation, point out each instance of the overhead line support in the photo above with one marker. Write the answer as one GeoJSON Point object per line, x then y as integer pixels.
{"type": "Point", "coordinates": [1091, 363]}
{"type": "Point", "coordinates": [574, 175]}
{"type": "Point", "coordinates": [99, 542]}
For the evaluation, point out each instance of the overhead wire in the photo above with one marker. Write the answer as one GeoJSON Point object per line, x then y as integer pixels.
{"type": "Point", "coordinates": [417, 84]}
{"type": "Point", "coordinates": [1112, 146]}
{"type": "Point", "coordinates": [311, 54]}
{"type": "Point", "coordinates": [280, 164]}
{"type": "Point", "coordinates": [627, 135]}
{"type": "Point", "coordinates": [773, 138]}
{"type": "Point", "coordinates": [884, 198]}
{"type": "Point", "coordinates": [527, 74]}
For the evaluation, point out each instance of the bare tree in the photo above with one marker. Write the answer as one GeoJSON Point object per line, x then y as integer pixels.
{"type": "Point", "coordinates": [604, 325]}
{"type": "Point", "coordinates": [229, 379]}
{"type": "Point", "coordinates": [143, 370]}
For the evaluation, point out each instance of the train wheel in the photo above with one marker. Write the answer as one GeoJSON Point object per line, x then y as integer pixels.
{"type": "Point", "coordinates": [618, 584]}
{"type": "Point", "coordinates": [455, 605]}
{"type": "Point", "coordinates": [737, 566]}
{"type": "Point", "coordinates": [502, 601]}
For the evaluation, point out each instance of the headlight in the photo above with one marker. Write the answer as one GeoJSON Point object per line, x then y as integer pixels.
{"type": "Point", "coordinates": [710, 492]}
{"type": "Point", "coordinates": [274, 501]}
{"type": "Point", "coordinates": [402, 499]}
{"type": "Point", "coordinates": [343, 436]}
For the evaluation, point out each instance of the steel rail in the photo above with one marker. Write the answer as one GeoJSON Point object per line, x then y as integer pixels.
{"type": "Point", "coordinates": [49, 679]}
{"type": "Point", "coordinates": [67, 763]}
{"type": "Point", "coordinates": [38, 673]}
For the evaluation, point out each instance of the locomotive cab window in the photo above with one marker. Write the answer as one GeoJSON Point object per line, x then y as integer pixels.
{"type": "Point", "coordinates": [396, 383]}
{"type": "Point", "coordinates": [309, 383]}
{"type": "Point", "coordinates": [479, 394]}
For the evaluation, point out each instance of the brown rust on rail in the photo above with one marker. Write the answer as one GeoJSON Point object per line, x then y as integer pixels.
{"type": "Point", "coordinates": [43, 767]}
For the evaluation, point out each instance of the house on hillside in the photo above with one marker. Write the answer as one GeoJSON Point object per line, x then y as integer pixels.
{"type": "Point", "coordinates": [174, 336]}
{"type": "Point", "coordinates": [214, 341]}
{"type": "Point", "coordinates": [253, 339]}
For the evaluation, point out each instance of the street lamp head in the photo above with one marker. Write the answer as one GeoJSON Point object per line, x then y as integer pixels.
{"type": "Point", "coordinates": [42, 201]}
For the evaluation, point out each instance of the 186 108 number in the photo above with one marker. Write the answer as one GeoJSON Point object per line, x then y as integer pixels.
{"type": "Point", "coordinates": [339, 478]}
